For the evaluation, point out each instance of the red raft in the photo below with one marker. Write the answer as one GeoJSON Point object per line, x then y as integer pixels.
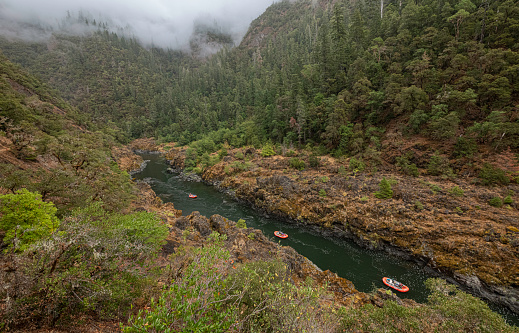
{"type": "Point", "coordinates": [395, 284]}
{"type": "Point", "coordinates": [192, 196]}
{"type": "Point", "coordinates": [280, 234]}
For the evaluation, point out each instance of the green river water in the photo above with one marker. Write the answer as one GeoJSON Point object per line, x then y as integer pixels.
{"type": "Point", "coordinates": [365, 268]}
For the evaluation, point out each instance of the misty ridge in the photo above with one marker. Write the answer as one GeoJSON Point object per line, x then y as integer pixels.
{"type": "Point", "coordinates": [204, 35]}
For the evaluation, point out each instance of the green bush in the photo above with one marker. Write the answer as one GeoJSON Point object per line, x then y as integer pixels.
{"type": "Point", "coordinates": [439, 166]}
{"type": "Point", "coordinates": [418, 205]}
{"type": "Point", "coordinates": [95, 262]}
{"type": "Point", "coordinates": [241, 166]}
{"type": "Point", "coordinates": [385, 191]}
{"type": "Point", "coordinates": [322, 193]}
{"type": "Point", "coordinates": [239, 155]}
{"type": "Point", "coordinates": [434, 188]}
{"type": "Point", "coordinates": [508, 200]}
{"type": "Point", "coordinates": [296, 163]}
{"type": "Point", "coordinates": [195, 302]}
{"type": "Point", "coordinates": [222, 153]}
{"type": "Point", "coordinates": [241, 224]}
{"type": "Point", "coordinates": [268, 150]}
{"type": "Point", "coordinates": [406, 167]}
{"type": "Point", "coordinates": [448, 310]}
{"type": "Point", "coordinates": [26, 219]}
{"type": "Point", "coordinates": [211, 294]}
{"type": "Point", "coordinates": [271, 303]}
{"type": "Point", "coordinates": [314, 161]}
{"type": "Point", "coordinates": [456, 191]}
{"type": "Point", "coordinates": [496, 202]}
{"type": "Point", "coordinates": [492, 175]}
{"type": "Point", "coordinates": [465, 147]}
{"type": "Point", "coordinates": [357, 164]}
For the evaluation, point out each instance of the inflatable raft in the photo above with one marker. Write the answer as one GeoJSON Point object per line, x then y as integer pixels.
{"type": "Point", "coordinates": [280, 234]}
{"type": "Point", "coordinates": [392, 283]}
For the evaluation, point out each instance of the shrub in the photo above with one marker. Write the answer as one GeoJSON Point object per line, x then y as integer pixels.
{"type": "Point", "coordinates": [418, 205]}
{"type": "Point", "coordinates": [211, 294]}
{"type": "Point", "coordinates": [239, 155]}
{"type": "Point", "coordinates": [222, 153]}
{"type": "Point", "coordinates": [492, 175]}
{"type": "Point", "coordinates": [314, 161]}
{"type": "Point", "coordinates": [508, 200]}
{"type": "Point", "coordinates": [465, 147]}
{"type": "Point", "coordinates": [342, 171]}
{"type": "Point", "coordinates": [439, 165]}
{"type": "Point", "coordinates": [385, 191]}
{"type": "Point", "coordinates": [456, 191]}
{"type": "Point", "coordinates": [290, 153]}
{"type": "Point", "coordinates": [95, 262]}
{"type": "Point", "coordinates": [242, 166]}
{"type": "Point", "coordinates": [357, 164]}
{"type": "Point", "coordinates": [271, 303]}
{"type": "Point", "coordinates": [406, 167]}
{"type": "Point", "coordinates": [296, 163]}
{"type": "Point", "coordinates": [322, 193]}
{"type": "Point", "coordinates": [448, 310]}
{"type": "Point", "coordinates": [241, 224]}
{"type": "Point", "coordinates": [268, 150]}
{"type": "Point", "coordinates": [495, 202]}
{"type": "Point", "coordinates": [196, 301]}
{"type": "Point", "coordinates": [26, 218]}
{"type": "Point", "coordinates": [434, 188]}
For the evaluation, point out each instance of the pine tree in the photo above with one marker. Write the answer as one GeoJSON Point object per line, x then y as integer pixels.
{"type": "Point", "coordinates": [385, 191]}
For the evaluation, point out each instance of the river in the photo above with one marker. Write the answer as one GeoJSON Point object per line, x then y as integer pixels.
{"type": "Point", "coordinates": [365, 268]}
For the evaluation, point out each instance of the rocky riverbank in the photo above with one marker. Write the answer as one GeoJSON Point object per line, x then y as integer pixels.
{"type": "Point", "coordinates": [456, 234]}
{"type": "Point", "coordinates": [446, 224]}
{"type": "Point", "coordinates": [244, 244]}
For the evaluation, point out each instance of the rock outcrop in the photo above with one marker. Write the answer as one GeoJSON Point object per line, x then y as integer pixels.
{"type": "Point", "coordinates": [456, 233]}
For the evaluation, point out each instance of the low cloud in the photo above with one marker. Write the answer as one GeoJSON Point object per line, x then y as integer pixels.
{"type": "Point", "coordinates": [164, 23]}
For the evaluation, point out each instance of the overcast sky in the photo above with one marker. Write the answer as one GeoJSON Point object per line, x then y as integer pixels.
{"type": "Point", "coordinates": [168, 23]}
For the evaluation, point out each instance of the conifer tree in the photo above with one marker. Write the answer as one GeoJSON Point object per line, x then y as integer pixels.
{"type": "Point", "coordinates": [385, 191]}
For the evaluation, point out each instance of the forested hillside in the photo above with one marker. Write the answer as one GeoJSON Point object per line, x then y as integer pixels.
{"type": "Point", "coordinates": [427, 89]}
{"type": "Point", "coordinates": [340, 75]}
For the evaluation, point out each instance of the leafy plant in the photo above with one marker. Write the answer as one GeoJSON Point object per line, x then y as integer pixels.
{"type": "Point", "coordinates": [448, 310]}
{"type": "Point", "coordinates": [496, 202]}
{"type": "Point", "coordinates": [438, 165]}
{"type": "Point", "coordinates": [490, 174]}
{"type": "Point", "coordinates": [508, 200]}
{"type": "Point", "coordinates": [200, 301]}
{"type": "Point", "coordinates": [241, 224]}
{"type": "Point", "coordinates": [239, 155]}
{"type": "Point", "coordinates": [268, 150]}
{"type": "Point", "coordinates": [26, 218]}
{"type": "Point", "coordinates": [456, 191]}
{"type": "Point", "coordinates": [385, 191]}
{"type": "Point", "coordinates": [95, 261]}
{"type": "Point", "coordinates": [322, 193]}
{"type": "Point", "coordinates": [314, 161]}
{"type": "Point", "coordinates": [296, 163]}
{"type": "Point", "coordinates": [356, 164]}
{"type": "Point", "coordinates": [406, 167]}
